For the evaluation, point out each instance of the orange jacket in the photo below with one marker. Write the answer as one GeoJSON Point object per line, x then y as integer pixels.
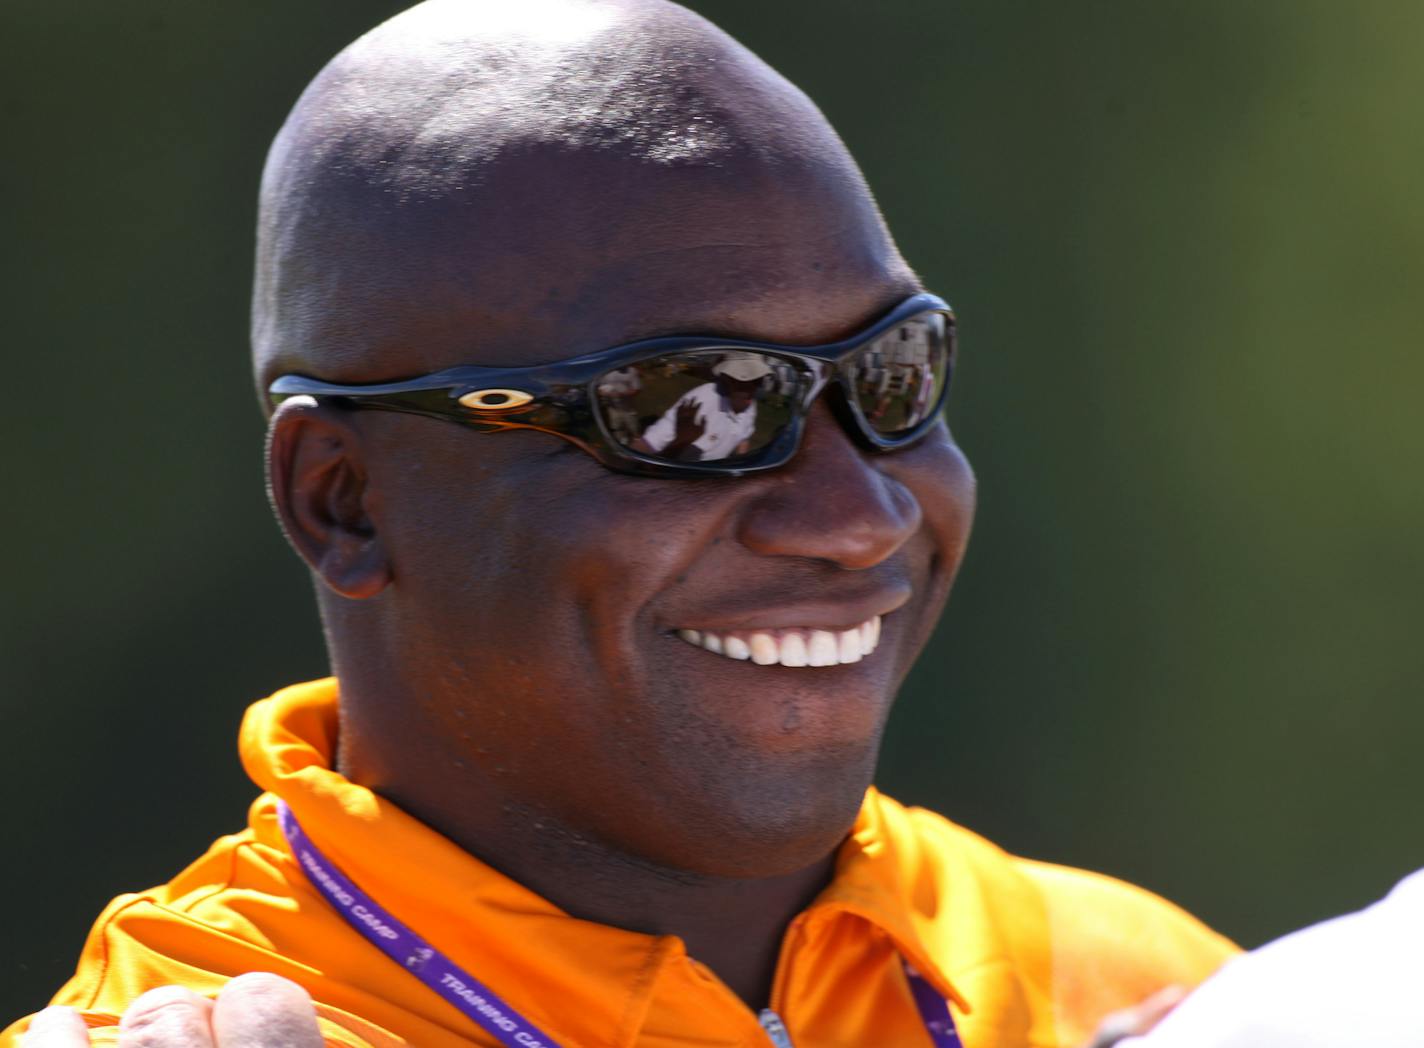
{"type": "Point", "coordinates": [1028, 954]}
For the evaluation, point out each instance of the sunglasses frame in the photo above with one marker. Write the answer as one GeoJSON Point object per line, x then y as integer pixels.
{"type": "Point", "coordinates": [560, 397]}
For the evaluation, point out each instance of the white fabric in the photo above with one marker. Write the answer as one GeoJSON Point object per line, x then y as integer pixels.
{"type": "Point", "coordinates": [1351, 982]}
{"type": "Point", "coordinates": [725, 428]}
{"type": "Point", "coordinates": [744, 367]}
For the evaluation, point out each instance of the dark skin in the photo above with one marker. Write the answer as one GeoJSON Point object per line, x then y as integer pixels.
{"type": "Point", "coordinates": [501, 610]}
{"type": "Point", "coordinates": [490, 183]}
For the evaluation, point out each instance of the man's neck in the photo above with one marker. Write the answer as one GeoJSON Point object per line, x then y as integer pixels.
{"type": "Point", "coordinates": [733, 925]}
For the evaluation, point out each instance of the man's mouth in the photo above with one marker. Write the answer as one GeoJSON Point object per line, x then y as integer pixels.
{"type": "Point", "coordinates": [790, 647]}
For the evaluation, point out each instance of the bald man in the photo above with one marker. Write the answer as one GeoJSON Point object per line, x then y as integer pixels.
{"type": "Point", "coordinates": [594, 765]}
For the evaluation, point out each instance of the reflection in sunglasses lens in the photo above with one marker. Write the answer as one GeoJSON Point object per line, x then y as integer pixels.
{"type": "Point", "coordinates": [899, 377]}
{"type": "Point", "coordinates": [712, 405]}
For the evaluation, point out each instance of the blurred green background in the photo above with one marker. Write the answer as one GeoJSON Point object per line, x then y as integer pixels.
{"type": "Point", "coordinates": [1186, 244]}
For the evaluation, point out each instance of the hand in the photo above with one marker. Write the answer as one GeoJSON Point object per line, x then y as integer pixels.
{"type": "Point", "coordinates": [1137, 1020]}
{"type": "Point", "coordinates": [258, 1010]}
{"type": "Point", "coordinates": [689, 424]}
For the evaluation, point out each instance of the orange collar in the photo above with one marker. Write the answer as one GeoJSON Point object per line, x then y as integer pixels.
{"type": "Point", "coordinates": [587, 982]}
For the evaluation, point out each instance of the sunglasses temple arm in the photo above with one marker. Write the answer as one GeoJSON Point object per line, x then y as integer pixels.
{"type": "Point", "coordinates": [298, 385]}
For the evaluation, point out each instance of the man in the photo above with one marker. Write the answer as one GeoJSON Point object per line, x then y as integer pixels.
{"type": "Point", "coordinates": [549, 796]}
{"type": "Point", "coordinates": [619, 393]}
{"type": "Point", "coordinates": [714, 420]}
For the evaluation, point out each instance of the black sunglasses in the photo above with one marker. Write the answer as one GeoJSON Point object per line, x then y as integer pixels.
{"type": "Point", "coordinates": [689, 406]}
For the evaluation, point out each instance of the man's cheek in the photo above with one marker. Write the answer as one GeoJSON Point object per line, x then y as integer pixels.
{"type": "Point", "coordinates": [940, 478]}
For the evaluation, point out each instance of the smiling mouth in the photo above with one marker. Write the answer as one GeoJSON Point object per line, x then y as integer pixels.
{"type": "Point", "coordinates": [790, 647]}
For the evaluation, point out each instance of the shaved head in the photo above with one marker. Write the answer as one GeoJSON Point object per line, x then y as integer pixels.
{"type": "Point", "coordinates": [482, 182]}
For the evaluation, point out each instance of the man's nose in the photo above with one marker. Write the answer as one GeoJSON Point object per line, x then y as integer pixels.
{"type": "Point", "coordinates": [831, 502]}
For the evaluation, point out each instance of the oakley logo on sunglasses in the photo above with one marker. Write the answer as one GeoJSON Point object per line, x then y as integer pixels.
{"type": "Point", "coordinates": [496, 399]}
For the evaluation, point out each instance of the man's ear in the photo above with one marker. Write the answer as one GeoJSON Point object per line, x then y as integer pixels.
{"type": "Point", "coordinates": [317, 481]}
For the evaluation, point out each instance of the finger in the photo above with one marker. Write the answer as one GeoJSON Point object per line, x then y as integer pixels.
{"type": "Point", "coordinates": [1157, 1007]}
{"type": "Point", "coordinates": [168, 1017]}
{"type": "Point", "coordinates": [57, 1027]}
{"type": "Point", "coordinates": [262, 1010]}
{"type": "Point", "coordinates": [1139, 1019]}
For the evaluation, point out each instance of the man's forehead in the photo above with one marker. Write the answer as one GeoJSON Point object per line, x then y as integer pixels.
{"type": "Point", "coordinates": [387, 251]}
{"type": "Point", "coordinates": [595, 268]}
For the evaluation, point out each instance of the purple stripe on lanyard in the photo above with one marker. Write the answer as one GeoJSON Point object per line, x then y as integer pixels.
{"type": "Point", "coordinates": [463, 990]}
{"type": "Point", "coordinates": [407, 949]}
{"type": "Point", "coordinates": [934, 1010]}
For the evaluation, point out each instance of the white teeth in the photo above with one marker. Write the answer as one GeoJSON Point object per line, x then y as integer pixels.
{"type": "Point", "coordinates": [791, 647]}
{"type": "Point", "coordinates": [765, 650]}
{"type": "Point", "coordinates": [850, 647]}
{"type": "Point", "coordinates": [823, 649]}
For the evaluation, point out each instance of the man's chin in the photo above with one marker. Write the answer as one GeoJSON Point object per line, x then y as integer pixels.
{"type": "Point", "coordinates": [754, 815]}
{"type": "Point", "coordinates": [741, 770]}
{"type": "Point", "coordinates": [784, 712]}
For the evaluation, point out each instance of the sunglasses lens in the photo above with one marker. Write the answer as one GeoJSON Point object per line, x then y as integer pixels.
{"type": "Point", "coordinates": [899, 380]}
{"type": "Point", "coordinates": [705, 405]}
